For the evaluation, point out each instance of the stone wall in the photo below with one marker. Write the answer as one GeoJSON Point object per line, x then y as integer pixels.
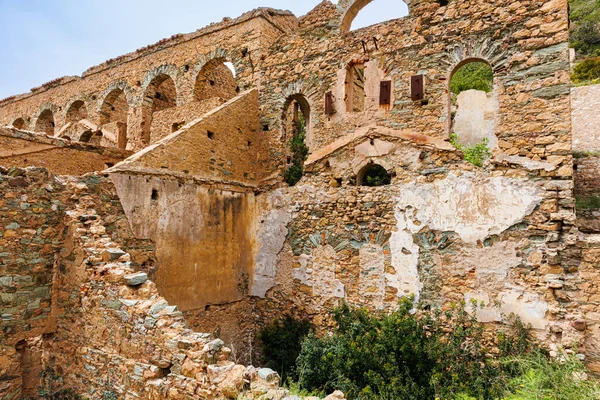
{"type": "Point", "coordinates": [585, 101]}
{"type": "Point", "coordinates": [587, 192]}
{"type": "Point", "coordinates": [31, 236]}
{"type": "Point", "coordinates": [132, 77]}
{"type": "Point", "coordinates": [61, 157]}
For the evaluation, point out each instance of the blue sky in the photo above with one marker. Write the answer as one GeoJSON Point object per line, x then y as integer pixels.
{"type": "Point", "coordinates": [46, 39]}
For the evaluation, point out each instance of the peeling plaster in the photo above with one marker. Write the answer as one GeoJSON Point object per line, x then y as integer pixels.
{"type": "Point", "coordinates": [474, 207]}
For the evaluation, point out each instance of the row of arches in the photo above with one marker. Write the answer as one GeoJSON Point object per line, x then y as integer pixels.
{"type": "Point", "coordinates": [216, 78]}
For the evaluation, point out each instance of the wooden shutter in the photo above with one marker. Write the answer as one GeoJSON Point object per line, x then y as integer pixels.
{"type": "Point", "coordinates": [385, 93]}
{"type": "Point", "coordinates": [329, 103]}
{"type": "Point", "coordinates": [416, 87]}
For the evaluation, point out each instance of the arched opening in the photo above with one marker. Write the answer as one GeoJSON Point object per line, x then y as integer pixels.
{"type": "Point", "coordinates": [296, 123]}
{"type": "Point", "coordinates": [473, 104]}
{"type": "Point", "coordinates": [113, 116]}
{"type": "Point", "coordinates": [355, 96]}
{"type": "Point", "coordinates": [91, 137]}
{"type": "Point", "coordinates": [363, 13]}
{"type": "Point", "coordinates": [160, 95]}
{"type": "Point", "coordinates": [19, 123]}
{"type": "Point", "coordinates": [45, 123]}
{"type": "Point", "coordinates": [76, 112]}
{"type": "Point", "coordinates": [216, 79]}
{"type": "Point", "coordinates": [373, 175]}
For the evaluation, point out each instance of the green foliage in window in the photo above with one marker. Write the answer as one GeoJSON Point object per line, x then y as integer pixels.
{"type": "Point", "coordinates": [376, 175]}
{"type": "Point", "coordinates": [299, 151]}
{"type": "Point", "coordinates": [585, 27]}
{"type": "Point", "coordinates": [475, 75]}
{"type": "Point", "coordinates": [476, 155]}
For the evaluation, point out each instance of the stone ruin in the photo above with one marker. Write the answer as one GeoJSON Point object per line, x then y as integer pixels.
{"type": "Point", "coordinates": [144, 201]}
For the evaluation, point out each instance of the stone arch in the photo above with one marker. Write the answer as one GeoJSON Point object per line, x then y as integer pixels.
{"type": "Point", "coordinates": [214, 78]}
{"type": "Point", "coordinates": [295, 114]}
{"type": "Point", "coordinates": [379, 174]}
{"type": "Point", "coordinates": [349, 9]}
{"type": "Point", "coordinates": [166, 70]}
{"type": "Point", "coordinates": [76, 111]}
{"type": "Point", "coordinates": [19, 123]}
{"type": "Point", "coordinates": [44, 121]}
{"type": "Point", "coordinates": [159, 95]}
{"type": "Point", "coordinates": [113, 112]}
{"type": "Point", "coordinates": [472, 102]}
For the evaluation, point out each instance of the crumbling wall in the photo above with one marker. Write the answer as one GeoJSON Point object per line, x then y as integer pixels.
{"type": "Point", "coordinates": [24, 149]}
{"type": "Point", "coordinates": [31, 236]}
{"type": "Point", "coordinates": [242, 41]}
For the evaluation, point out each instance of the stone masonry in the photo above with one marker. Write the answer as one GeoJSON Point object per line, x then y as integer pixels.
{"type": "Point", "coordinates": [198, 230]}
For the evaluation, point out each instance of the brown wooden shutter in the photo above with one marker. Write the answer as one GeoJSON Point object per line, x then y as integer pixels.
{"type": "Point", "coordinates": [385, 93]}
{"type": "Point", "coordinates": [416, 87]}
{"type": "Point", "coordinates": [329, 103]}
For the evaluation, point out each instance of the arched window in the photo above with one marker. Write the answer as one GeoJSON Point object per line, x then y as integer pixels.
{"type": "Point", "coordinates": [473, 104]}
{"type": "Point", "coordinates": [216, 79]}
{"type": "Point", "coordinates": [355, 87]}
{"type": "Point", "coordinates": [76, 112]}
{"type": "Point", "coordinates": [113, 115]}
{"type": "Point", "coordinates": [363, 13]}
{"type": "Point", "coordinates": [296, 123]}
{"type": "Point", "coordinates": [160, 95]}
{"type": "Point", "coordinates": [45, 123]}
{"type": "Point", "coordinates": [373, 175]}
{"type": "Point", "coordinates": [19, 123]}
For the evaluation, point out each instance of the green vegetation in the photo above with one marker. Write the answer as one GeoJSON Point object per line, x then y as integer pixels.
{"type": "Point", "coordinates": [587, 71]}
{"type": "Point", "coordinates": [52, 387]}
{"type": "Point", "coordinates": [587, 202]}
{"type": "Point", "coordinates": [585, 27]}
{"type": "Point", "coordinates": [584, 154]}
{"type": "Point", "coordinates": [376, 175]}
{"type": "Point", "coordinates": [476, 155]}
{"type": "Point", "coordinates": [475, 75]}
{"type": "Point", "coordinates": [425, 355]}
{"type": "Point", "coordinates": [299, 150]}
{"type": "Point", "coordinates": [281, 344]}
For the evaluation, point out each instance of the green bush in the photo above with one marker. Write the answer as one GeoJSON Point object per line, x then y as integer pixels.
{"type": "Point", "coordinates": [587, 202]}
{"type": "Point", "coordinates": [402, 356]}
{"type": "Point", "coordinates": [475, 75]}
{"type": "Point", "coordinates": [476, 155]}
{"type": "Point", "coordinates": [299, 151]}
{"type": "Point", "coordinates": [587, 70]}
{"type": "Point", "coordinates": [281, 343]}
{"type": "Point", "coordinates": [585, 27]}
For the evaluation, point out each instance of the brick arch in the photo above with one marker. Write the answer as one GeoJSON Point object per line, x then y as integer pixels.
{"type": "Point", "coordinates": [75, 110]}
{"type": "Point", "coordinates": [349, 9]}
{"type": "Point", "coordinates": [214, 59]}
{"type": "Point", "coordinates": [44, 119]}
{"type": "Point", "coordinates": [169, 70]}
{"type": "Point", "coordinates": [160, 94]}
{"type": "Point", "coordinates": [306, 97]}
{"type": "Point", "coordinates": [19, 123]}
{"type": "Point", "coordinates": [484, 50]}
{"type": "Point", "coordinates": [130, 94]}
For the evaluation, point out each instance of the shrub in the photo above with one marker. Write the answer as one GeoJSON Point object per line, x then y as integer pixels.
{"type": "Point", "coordinates": [585, 27]}
{"type": "Point", "coordinates": [281, 344]}
{"type": "Point", "coordinates": [402, 356]}
{"type": "Point", "coordinates": [476, 155]}
{"type": "Point", "coordinates": [299, 151]}
{"type": "Point", "coordinates": [587, 70]}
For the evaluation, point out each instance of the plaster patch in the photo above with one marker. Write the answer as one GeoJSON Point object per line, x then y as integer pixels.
{"type": "Point", "coordinates": [372, 274]}
{"type": "Point", "coordinates": [271, 236]}
{"type": "Point", "coordinates": [474, 207]}
{"type": "Point", "coordinates": [405, 259]}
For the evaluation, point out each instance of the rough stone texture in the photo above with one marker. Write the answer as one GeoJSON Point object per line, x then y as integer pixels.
{"type": "Point", "coordinates": [585, 101]}
{"type": "Point", "coordinates": [204, 211]}
{"type": "Point", "coordinates": [475, 118]}
{"type": "Point", "coordinates": [587, 187]}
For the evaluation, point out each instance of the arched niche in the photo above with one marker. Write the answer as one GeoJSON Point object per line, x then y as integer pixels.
{"type": "Point", "coordinates": [76, 112]}
{"type": "Point", "coordinates": [160, 95]}
{"type": "Point", "coordinates": [19, 123]}
{"type": "Point", "coordinates": [45, 122]}
{"type": "Point", "coordinates": [373, 175]}
{"type": "Point", "coordinates": [390, 9]}
{"type": "Point", "coordinates": [217, 78]}
{"type": "Point", "coordinates": [114, 112]}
